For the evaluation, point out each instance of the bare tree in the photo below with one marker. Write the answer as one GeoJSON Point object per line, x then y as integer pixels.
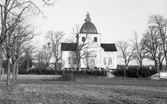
{"type": "Point", "coordinates": [126, 52]}
{"type": "Point", "coordinates": [11, 14]}
{"type": "Point", "coordinates": [29, 50]}
{"type": "Point", "coordinates": [1, 60]}
{"type": "Point", "coordinates": [43, 56]}
{"type": "Point", "coordinates": [20, 37]}
{"type": "Point", "coordinates": [40, 57]}
{"type": "Point", "coordinates": [153, 47]}
{"type": "Point", "coordinates": [55, 39]}
{"type": "Point", "coordinates": [139, 53]}
{"type": "Point", "coordinates": [160, 23]}
{"type": "Point", "coordinates": [49, 2]}
{"type": "Point", "coordinates": [82, 47]}
{"type": "Point", "coordinates": [47, 52]}
{"type": "Point", "coordinates": [8, 54]}
{"type": "Point", "coordinates": [15, 47]}
{"type": "Point", "coordinates": [75, 32]}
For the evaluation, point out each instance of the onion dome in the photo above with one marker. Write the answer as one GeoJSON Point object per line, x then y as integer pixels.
{"type": "Point", "coordinates": [88, 27]}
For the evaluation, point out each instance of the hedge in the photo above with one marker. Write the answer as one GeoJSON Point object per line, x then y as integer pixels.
{"type": "Point", "coordinates": [135, 72]}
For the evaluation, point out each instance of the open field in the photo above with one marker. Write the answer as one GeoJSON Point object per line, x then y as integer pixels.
{"type": "Point", "coordinates": [83, 94]}
{"type": "Point", "coordinates": [100, 81]}
{"type": "Point", "coordinates": [85, 91]}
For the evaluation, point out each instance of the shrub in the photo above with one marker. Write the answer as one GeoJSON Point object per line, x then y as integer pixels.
{"type": "Point", "coordinates": [135, 72]}
{"type": "Point", "coordinates": [67, 77]}
{"type": "Point", "coordinates": [82, 73]}
{"type": "Point", "coordinates": [23, 66]}
{"type": "Point", "coordinates": [42, 71]}
{"type": "Point", "coordinates": [146, 72]}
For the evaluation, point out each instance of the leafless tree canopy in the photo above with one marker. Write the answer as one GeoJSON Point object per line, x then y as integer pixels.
{"type": "Point", "coordinates": [126, 51]}
{"type": "Point", "coordinates": [160, 23]}
{"type": "Point", "coordinates": [139, 53]}
{"type": "Point", "coordinates": [14, 31]}
{"type": "Point", "coordinates": [153, 46]}
{"type": "Point", "coordinates": [55, 39]}
{"type": "Point", "coordinates": [81, 46]}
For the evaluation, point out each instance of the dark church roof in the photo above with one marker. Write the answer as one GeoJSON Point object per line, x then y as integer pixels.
{"type": "Point", "coordinates": [88, 27]}
{"type": "Point", "coordinates": [68, 46]}
{"type": "Point", "coordinates": [73, 46]}
{"type": "Point", "coordinates": [108, 47]}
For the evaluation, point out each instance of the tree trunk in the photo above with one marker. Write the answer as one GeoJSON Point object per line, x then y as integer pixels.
{"type": "Point", "coordinates": [125, 72]}
{"type": "Point", "coordinates": [0, 66]}
{"type": "Point", "coordinates": [28, 65]}
{"type": "Point", "coordinates": [164, 49]}
{"type": "Point", "coordinates": [1, 61]}
{"type": "Point", "coordinates": [14, 72]}
{"type": "Point", "coordinates": [157, 67]}
{"type": "Point", "coordinates": [126, 67]}
{"type": "Point", "coordinates": [141, 63]}
{"type": "Point", "coordinates": [78, 52]}
{"type": "Point", "coordinates": [57, 66]}
{"type": "Point", "coordinates": [160, 66]}
{"type": "Point", "coordinates": [8, 73]}
{"type": "Point", "coordinates": [78, 60]}
{"type": "Point", "coordinates": [17, 71]}
{"type": "Point", "coordinates": [140, 66]}
{"type": "Point", "coordinates": [78, 64]}
{"type": "Point", "coordinates": [138, 72]}
{"type": "Point", "coordinates": [166, 62]}
{"type": "Point", "coordinates": [0, 71]}
{"type": "Point", "coordinates": [158, 70]}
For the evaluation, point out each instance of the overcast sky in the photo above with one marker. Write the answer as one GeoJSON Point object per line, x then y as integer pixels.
{"type": "Point", "coordinates": [114, 19]}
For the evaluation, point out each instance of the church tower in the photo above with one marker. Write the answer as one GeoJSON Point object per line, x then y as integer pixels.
{"type": "Point", "coordinates": [88, 32]}
{"type": "Point", "coordinates": [90, 39]}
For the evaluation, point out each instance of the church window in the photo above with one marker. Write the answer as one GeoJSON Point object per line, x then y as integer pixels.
{"type": "Point", "coordinates": [83, 39]}
{"type": "Point", "coordinates": [74, 60]}
{"type": "Point", "coordinates": [104, 60]}
{"type": "Point", "coordinates": [95, 39]}
{"type": "Point", "coordinates": [110, 61]}
{"type": "Point", "coordinates": [69, 60]}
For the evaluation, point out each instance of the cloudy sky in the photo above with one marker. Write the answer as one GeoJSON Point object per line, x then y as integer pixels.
{"type": "Point", "coordinates": [114, 19]}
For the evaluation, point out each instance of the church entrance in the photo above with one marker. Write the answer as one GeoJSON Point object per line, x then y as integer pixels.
{"type": "Point", "coordinates": [92, 64]}
{"type": "Point", "coordinates": [90, 59]}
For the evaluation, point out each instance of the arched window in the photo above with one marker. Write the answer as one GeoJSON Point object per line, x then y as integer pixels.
{"type": "Point", "coordinates": [104, 60]}
{"type": "Point", "coordinates": [110, 61]}
{"type": "Point", "coordinates": [68, 60]}
{"type": "Point", "coordinates": [83, 39]}
{"type": "Point", "coordinates": [95, 39]}
{"type": "Point", "coordinates": [74, 60]}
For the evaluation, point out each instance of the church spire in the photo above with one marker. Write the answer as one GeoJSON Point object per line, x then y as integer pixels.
{"type": "Point", "coordinates": [88, 19]}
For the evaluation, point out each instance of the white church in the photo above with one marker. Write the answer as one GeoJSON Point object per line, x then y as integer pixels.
{"type": "Point", "coordinates": [95, 54]}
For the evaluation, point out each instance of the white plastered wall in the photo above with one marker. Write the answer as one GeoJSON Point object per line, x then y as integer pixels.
{"type": "Point", "coordinates": [113, 56]}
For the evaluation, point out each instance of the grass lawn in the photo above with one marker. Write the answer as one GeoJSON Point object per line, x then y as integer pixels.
{"type": "Point", "coordinates": [85, 91]}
